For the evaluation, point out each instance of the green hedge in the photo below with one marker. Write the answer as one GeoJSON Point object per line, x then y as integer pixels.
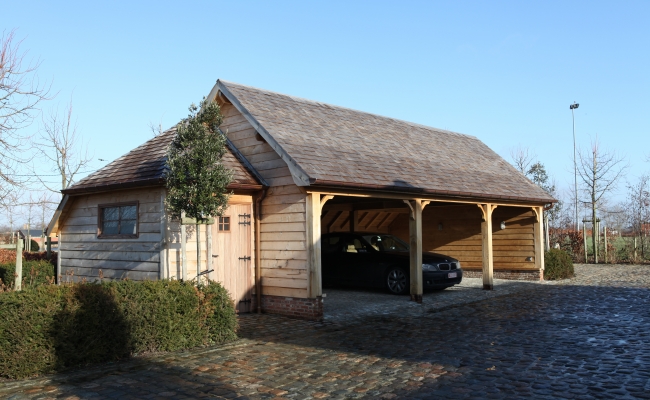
{"type": "Point", "coordinates": [558, 265]}
{"type": "Point", "coordinates": [34, 273]}
{"type": "Point", "coordinates": [51, 328]}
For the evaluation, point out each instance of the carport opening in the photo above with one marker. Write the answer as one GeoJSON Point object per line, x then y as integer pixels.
{"type": "Point", "coordinates": [362, 240]}
{"type": "Point", "coordinates": [365, 250]}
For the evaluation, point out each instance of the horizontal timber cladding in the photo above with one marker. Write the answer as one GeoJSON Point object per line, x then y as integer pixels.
{"type": "Point", "coordinates": [283, 228]}
{"type": "Point", "coordinates": [456, 231]}
{"type": "Point", "coordinates": [85, 256]}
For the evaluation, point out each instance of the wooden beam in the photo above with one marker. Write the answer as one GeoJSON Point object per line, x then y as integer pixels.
{"type": "Point", "coordinates": [404, 197]}
{"type": "Point", "coordinates": [354, 220]}
{"type": "Point", "coordinates": [324, 199]}
{"type": "Point", "coordinates": [314, 285]}
{"type": "Point", "coordinates": [415, 248]}
{"type": "Point", "coordinates": [538, 234]}
{"type": "Point", "coordinates": [389, 219]}
{"type": "Point", "coordinates": [488, 255]}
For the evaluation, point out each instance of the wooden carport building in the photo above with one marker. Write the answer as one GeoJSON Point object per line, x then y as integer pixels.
{"type": "Point", "coordinates": [306, 168]}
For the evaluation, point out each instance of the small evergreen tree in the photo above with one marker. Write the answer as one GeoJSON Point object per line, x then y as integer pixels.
{"type": "Point", "coordinates": [196, 179]}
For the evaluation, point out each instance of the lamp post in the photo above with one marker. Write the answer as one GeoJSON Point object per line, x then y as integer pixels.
{"type": "Point", "coordinates": [575, 165]}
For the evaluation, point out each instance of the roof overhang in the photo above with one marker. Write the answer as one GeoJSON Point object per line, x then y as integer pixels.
{"type": "Point", "coordinates": [405, 192]}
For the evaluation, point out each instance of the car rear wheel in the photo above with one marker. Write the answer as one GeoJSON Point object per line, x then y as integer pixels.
{"type": "Point", "coordinates": [397, 281]}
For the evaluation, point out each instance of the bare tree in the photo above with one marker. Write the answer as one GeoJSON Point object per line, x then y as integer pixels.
{"type": "Point", "coordinates": [61, 144]}
{"type": "Point", "coordinates": [156, 129]}
{"type": "Point", "coordinates": [638, 208]}
{"type": "Point", "coordinates": [20, 94]}
{"type": "Point", "coordinates": [522, 158]}
{"type": "Point", "coordinates": [600, 172]}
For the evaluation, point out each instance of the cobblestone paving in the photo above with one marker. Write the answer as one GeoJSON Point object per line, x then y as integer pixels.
{"type": "Point", "coordinates": [587, 337]}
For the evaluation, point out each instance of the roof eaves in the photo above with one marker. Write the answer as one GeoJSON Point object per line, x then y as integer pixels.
{"type": "Point", "coordinates": [480, 197]}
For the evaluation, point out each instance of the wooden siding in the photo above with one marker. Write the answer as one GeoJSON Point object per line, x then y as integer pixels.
{"type": "Point", "coordinates": [460, 236]}
{"type": "Point", "coordinates": [283, 248]}
{"type": "Point", "coordinates": [83, 255]}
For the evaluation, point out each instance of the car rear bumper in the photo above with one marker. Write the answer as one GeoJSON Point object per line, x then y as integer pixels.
{"type": "Point", "coordinates": [440, 279]}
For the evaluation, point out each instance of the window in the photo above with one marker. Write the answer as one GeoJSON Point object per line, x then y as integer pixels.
{"type": "Point", "coordinates": [118, 220]}
{"type": "Point", "coordinates": [224, 224]}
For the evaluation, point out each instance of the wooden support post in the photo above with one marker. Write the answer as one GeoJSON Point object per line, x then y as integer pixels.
{"type": "Point", "coordinates": [488, 255]}
{"type": "Point", "coordinates": [538, 236]}
{"type": "Point", "coordinates": [314, 286]}
{"type": "Point", "coordinates": [18, 285]}
{"type": "Point", "coordinates": [49, 246]}
{"type": "Point", "coordinates": [415, 248]}
{"type": "Point", "coordinates": [183, 249]}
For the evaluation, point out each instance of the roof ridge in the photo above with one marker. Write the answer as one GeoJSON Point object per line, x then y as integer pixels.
{"type": "Point", "coordinates": [320, 103]}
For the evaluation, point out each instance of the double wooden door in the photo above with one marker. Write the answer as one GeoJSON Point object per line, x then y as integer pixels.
{"type": "Point", "coordinates": [232, 261]}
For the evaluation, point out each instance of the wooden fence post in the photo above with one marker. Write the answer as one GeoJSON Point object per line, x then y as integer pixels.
{"type": "Point", "coordinates": [49, 247]}
{"type": "Point", "coordinates": [605, 230]}
{"type": "Point", "coordinates": [584, 236]}
{"type": "Point", "coordinates": [19, 265]}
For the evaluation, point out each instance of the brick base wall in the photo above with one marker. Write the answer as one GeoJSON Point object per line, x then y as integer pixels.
{"type": "Point", "coordinates": [527, 275]}
{"type": "Point", "coordinates": [311, 309]}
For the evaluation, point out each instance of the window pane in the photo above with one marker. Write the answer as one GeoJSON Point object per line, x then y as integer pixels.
{"type": "Point", "coordinates": [111, 214]}
{"type": "Point", "coordinates": [110, 228]}
{"type": "Point", "coordinates": [127, 227]}
{"type": "Point", "coordinates": [128, 212]}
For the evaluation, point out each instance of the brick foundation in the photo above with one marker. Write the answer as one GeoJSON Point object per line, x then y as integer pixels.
{"type": "Point", "coordinates": [526, 275]}
{"type": "Point", "coordinates": [311, 309]}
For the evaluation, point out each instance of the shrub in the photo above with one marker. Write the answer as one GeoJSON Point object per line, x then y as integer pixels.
{"type": "Point", "coordinates": [557, 265]}
{"type": "Point", "coordinates": [51, 328]}
{"type": "Point", "coordinates": [33, 245]}
{"type": "Point", "coordinates": [34, 273]}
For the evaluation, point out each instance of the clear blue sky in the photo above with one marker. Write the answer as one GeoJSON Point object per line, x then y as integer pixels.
{"type": "Point", "coordinates": [505, 72]}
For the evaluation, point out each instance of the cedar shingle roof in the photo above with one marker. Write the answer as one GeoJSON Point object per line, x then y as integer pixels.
{"type": "Point", "coordinates": [337, 146]}
{"type": "Point", "coordinates": [145, 166]}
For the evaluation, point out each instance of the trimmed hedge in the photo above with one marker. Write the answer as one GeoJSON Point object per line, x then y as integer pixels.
{"type": "Point", "coordinates": [34, 273]}
{"type": "Point", "coordinates": [558, 265]}
{"type": "Point", "coordinates": [51, 328]}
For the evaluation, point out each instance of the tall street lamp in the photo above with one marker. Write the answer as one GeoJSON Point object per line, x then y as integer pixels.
{"type": "Point", "coordinates": [575, 165]}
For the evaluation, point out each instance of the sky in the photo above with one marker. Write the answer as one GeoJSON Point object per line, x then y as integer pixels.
{"type": "Point", "coordinates": [503, 71]}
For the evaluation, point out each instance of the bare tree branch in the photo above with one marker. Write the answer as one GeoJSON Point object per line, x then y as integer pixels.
{"type": "Point", "coordinates": [61, 144]}
{"type": "Point", "coordinates": [522, 158]}
{"type": "Point", "coordinates": [20, 94]}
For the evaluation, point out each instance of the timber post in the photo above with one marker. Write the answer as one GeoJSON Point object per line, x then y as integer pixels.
{"type": "Point", "coordinates": [415, 249]}
{"type": "Point", "coordinates": [488, 254]}
{"type": "Point", "coordinates": [313, 204]}
{"type": "Point", "coordinates": [19, 265]}
{"type": "Point", "coordinates": [49, 246]}
{"type": "Point", "coordinates": [538, 235]}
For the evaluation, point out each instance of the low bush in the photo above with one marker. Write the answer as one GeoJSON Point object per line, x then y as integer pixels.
{"type": "Point", "coordinates": [557, 265]}
{"type": "Point", "coordinates": [34, 273]}
{"type": "Point", "coordinates": [51, 328]}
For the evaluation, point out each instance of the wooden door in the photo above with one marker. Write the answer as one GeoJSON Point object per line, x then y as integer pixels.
{"type": "Point", "coordinates": [231, 241]}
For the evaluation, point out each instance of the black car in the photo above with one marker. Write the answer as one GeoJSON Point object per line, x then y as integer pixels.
{"type": "Point", "coordinates": [382, 261]}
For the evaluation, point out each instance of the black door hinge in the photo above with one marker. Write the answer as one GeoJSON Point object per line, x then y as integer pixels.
{"type": "Point", "coordinates": [248, 258]}
{"type": "Point", "coordinates": [246, 219]}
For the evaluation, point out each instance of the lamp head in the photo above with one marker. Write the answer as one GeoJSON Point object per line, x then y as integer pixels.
{"type": "Point", "coordinates": [574, 106]}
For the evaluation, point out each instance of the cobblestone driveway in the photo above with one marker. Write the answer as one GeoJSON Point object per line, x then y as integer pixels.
{"type": "Point", "coordinates": [587, 337]}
